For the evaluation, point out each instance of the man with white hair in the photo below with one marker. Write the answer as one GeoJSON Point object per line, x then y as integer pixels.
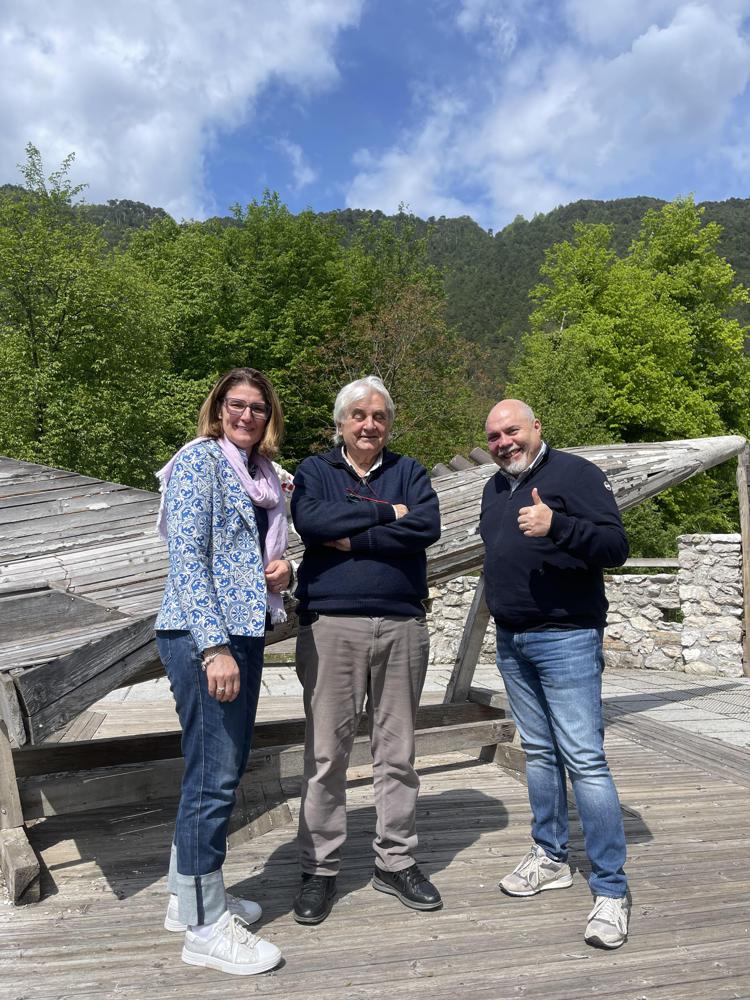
{"type": "Point", "coordinates": [550, 525]}
{"type": "Point", "coordinates": [366, 516]}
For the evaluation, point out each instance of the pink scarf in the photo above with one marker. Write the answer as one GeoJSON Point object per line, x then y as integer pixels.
{"type": "Point", "coordinates": [265, 491]}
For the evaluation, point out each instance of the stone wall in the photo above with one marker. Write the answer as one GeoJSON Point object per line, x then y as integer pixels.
{"type": "Point", "coordinates": [710, 582]}
{"type": "Point", "coordinates": [690, 620]}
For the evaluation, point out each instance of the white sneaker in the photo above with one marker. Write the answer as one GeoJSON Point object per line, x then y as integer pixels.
{"type": "Point", "coordinates": [232, 948]}
{"type": "Point", "coordinates": [607, 925]}
{"type": "Point", "coordinates": [535, 873]}
{"type": "Point", "coordinates": [245, 908]}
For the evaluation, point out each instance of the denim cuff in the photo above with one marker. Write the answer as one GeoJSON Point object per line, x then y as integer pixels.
{"type": "Point", "coordinates": [172, 877]}
{"type": "Point", "coordinates": [201, 899]}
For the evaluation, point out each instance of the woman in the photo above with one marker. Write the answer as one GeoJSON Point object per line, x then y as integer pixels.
{"type": "Point", "coordinates": [223, 515]}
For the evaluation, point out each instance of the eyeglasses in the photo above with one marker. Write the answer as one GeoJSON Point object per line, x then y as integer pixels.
{"type": "Point", "coordinates": [259, 411]}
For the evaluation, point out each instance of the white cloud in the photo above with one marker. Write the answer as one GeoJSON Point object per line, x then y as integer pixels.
{"type": "Point", "coordinates": [493, 21]}
{"type": "Point", "coordinates": [617, 23]}
{"type": "Point", "coordinates": [140, 90]}
{"type": "Point", "coordinates": [419, 175]}
{"type": "Point", "coordinates": [574, 113]}
{"type": "Point", "coordinates": [302, 172]}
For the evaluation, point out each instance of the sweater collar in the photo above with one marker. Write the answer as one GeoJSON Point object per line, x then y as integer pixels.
{"type": "Point", "coordinates": [515, 481]}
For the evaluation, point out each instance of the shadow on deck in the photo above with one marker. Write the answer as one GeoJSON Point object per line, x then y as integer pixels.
{"type": "Point", "coordinates": [98, 933]}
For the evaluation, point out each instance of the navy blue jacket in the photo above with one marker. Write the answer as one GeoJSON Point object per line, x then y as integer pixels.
{"type": "Point", "coordinates": [386, 571]}
{"type": "Point", "coordinates": [555, 580]}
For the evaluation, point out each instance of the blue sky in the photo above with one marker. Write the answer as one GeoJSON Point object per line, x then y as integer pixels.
{"type": "Point", "coordinates": [489, 108]}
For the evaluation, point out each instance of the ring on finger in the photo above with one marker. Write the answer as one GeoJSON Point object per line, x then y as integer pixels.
{"type": "Point", "coordinates": [221, 689]}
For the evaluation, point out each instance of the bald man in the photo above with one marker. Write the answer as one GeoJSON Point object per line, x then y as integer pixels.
{"type": "Point", "coordinates": [550, 525]}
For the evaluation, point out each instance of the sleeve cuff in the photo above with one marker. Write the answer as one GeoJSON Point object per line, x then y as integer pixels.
{"type": "Point", "coordinates": [360, 542]}
{"type": "Point", "coordinates": [386, 513]}
{"type": "Point", "coordinates": [560, 527]}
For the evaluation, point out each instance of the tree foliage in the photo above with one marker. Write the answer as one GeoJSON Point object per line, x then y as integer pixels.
{"type": "Point", "coordinates": [106, 352]}
{"type": "Point", "coordinates": [642, 348]}
{"type": "Point", "coordinates": [80, 347]}
{"type": "Point", "coordinates": [432, 374]}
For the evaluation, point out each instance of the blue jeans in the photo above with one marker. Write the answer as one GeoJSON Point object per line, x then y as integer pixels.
{"type": "Point", "coordinates": [553, 680]}
{"type": "Point", "coordinates": [216, 738]}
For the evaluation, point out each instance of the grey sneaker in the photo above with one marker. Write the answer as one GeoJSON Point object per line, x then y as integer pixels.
{"type": "Point", "coordinates": [232, 948]}
{"type": "Point", "coordinates": [245, 908]}
{"type": "Point", "coordinates": [607, 925]}
{"type": "Point", "coordinates": [535, 873]}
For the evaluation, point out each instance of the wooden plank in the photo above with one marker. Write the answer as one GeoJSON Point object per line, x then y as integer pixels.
{"type": "Point", "coordinates": [11, 714]}
{"type": "Point", "coordinates": [18, 862]}
{"type": "Point", "coordinates": [49, 610]}
{"type": "Point", "coordinates": [743, 496]}
{"type": "Point", "coordinates": [74, 701]}
{"type": "Point", "coordinates": [81, 791]}
{"type": "Point", "coordinates": [259, 808]}
{"type": "Point", "coordinates": [470, 646]}
{"type": "Point", "coordinates": [688, 931]}
{"type": "Point", "coordinates": [20, 866]}
{"type": "Point", "coordinates": [42, 686]}
{"type": "Point", "coordinates": [143, 748]}
{"type": "Point", "coordinates": [11, 815]}
{"type": "Point", "coordinates": [712, 756]}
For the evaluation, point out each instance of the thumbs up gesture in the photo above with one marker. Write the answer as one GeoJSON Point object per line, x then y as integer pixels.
{"type": "Point", "coordinates": [535, 521]}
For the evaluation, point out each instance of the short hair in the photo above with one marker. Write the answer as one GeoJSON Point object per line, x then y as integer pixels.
{"type": "Point", "coordinates": [352, 393]}
{"type": "Point", "coordinates": [209, 419]}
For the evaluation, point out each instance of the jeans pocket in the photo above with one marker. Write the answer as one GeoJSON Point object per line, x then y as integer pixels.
{"type": "Point", "coordinates": [165, 648]}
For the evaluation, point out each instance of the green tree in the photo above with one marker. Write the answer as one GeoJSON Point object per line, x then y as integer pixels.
{"type": "Point", "coordinates": [275, 291]}
{"type": "Point", "coordinates": [642, 348]}
{"type": "Point", "coordinates": [432, 374]}
{"type": "Point", "coordinates": [80, 347]}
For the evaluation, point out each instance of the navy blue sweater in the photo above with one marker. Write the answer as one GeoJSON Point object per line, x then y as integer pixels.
{"type": "Point", "coordinates": [386, 571]}
{"type": "Point", "coordinates": [555, 580]}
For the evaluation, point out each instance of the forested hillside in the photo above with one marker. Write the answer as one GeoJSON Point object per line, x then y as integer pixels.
{"type": "Point", "coordinates": [487, 277]}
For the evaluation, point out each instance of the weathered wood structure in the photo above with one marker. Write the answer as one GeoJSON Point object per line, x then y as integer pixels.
{"type": "Point", "coordinates": [81, 575]}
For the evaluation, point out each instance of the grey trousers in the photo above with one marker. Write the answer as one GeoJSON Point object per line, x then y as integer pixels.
{"type": "Point", "coordinates": [341, 659]}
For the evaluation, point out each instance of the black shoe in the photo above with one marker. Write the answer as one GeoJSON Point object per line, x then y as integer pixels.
{"type": "Point", "coordinates": [412, 887]}
{"type": "Point", "coordinates": [313, 902]}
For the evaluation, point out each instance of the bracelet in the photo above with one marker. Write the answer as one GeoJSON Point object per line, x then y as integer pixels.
{"type": "Point", "coordinates": [210, 654]}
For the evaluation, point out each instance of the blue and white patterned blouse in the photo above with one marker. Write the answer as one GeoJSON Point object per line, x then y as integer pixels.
{"type": "Point", "coordinates": [216, 586]}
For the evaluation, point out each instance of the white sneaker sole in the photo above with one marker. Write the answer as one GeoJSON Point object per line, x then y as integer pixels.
{"type": "Point", "coordinates": [599, 942]}
{"type": "Point", "coordinates": [564, 882]}
{"type": "Point", "coordinates": [211, 962]}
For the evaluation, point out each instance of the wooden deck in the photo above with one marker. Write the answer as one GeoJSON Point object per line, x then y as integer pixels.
{"type": "Point", "coordinates": [98, 933]}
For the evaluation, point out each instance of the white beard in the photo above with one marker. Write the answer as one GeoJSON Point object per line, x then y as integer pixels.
{"type": "Point", "coordinates": [516, 466]}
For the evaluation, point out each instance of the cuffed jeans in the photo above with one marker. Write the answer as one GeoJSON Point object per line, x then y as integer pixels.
{"type": "Point", "coordinates": [553, 682]}
{"type": "Point", "coordinates": [216, 739]}
{"type": "Point", "coordinates": [340, 660]}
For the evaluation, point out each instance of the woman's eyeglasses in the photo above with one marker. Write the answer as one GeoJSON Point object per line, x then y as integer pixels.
{"type": "Point", "coordinates": [260, 411]}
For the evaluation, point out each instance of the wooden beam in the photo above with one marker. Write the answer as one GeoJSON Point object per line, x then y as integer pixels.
{"type": "Point", "coordinates": [260, 806]}
{"type": "Point", "coordinates": [19, 864]}
{"type": "Point", "coordinates": [743, 496]}
{"type": "Point", "coordinates": [470, 647]}
{"type": "Point", "coordinates": [41, 686]}
{"type": "Point", "coordinates": [11, 815]}
{"type": "Point", "coordinates": [157, 781]}
{"type": "Point", "coordinates": [148, 747]}
{"type": "Point", "coordinates": [11, 714]}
